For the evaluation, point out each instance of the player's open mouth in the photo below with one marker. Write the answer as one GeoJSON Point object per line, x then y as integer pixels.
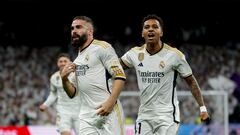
{"type": "Point", "coordinates": [151, 35]}
{"type": "Point", "coordinates": [74, 38]}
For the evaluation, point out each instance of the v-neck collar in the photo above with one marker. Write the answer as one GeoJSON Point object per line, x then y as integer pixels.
{"type": "Point", "coordinates": [162, 44]}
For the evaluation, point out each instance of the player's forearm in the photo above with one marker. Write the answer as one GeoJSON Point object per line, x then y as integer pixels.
{"type": "Point", "coordinates": [116, 90]}
{"type": "Point", "coordinates": [51, 99]}
{"type": "Point", "coordinates": [195, 89]}
{"type": "Point", "coordinates": [68, 87]}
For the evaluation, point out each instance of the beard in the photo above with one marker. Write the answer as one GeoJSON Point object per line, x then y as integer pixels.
{"type": "Point", "coordinates": [80, 41]}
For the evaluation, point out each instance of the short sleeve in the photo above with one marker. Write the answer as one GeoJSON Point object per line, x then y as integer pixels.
{"type": "Point", "coordinates": [111, 62]}
{"type": "Point", "coordinates": [127, 60]}
{"type": "Point", "coordinates": [182, 66]}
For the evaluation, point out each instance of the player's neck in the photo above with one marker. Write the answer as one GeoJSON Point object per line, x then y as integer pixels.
{"type": "Point", "coordinates": [153, 48]}
{"type": "Point", "coordinates": [86, 44]}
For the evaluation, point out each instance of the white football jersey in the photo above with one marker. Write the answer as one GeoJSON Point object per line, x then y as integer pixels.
{"type": "Point", "coordinates": [156, 75]}
{"type": "Point", "coordinates": [57, 93]}
{"type": "Point", "coordinates": [96, 64]}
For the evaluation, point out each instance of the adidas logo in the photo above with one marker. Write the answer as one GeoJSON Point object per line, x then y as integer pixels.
{"type": "Point", "coordinates": [140, 64]}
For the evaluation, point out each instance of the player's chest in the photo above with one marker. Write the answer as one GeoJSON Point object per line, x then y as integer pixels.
{"type": "Point", "coordinates": [86, 63]}
{"type": "Point", "coordinates": [87, 60]}
{"type": "Point", "coordinates": [143, 62]}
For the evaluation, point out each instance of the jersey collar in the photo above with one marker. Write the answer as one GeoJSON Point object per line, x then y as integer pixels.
{"type": "Point", "coordinates": [162, 44]}
{"type": "Point", "coordinates": [87, 46]}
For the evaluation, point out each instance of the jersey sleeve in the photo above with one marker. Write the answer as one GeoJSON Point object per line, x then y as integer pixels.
{"type": "Point", "coordinates": [127, 60]}
{"type": "Point", "coordinates": [52, 95]}
{"type": "Point", "coordinates": [182, 66]}
{"type": "Point", "coordinates": [111, 62]}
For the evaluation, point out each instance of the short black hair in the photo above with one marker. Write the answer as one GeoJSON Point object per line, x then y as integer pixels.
{"type": "Point", "coordinates": [63, 55]}
{"type": "Point", "coordinates": [153, 16]}
{"type": "Point", "coordinates": [85, 18]}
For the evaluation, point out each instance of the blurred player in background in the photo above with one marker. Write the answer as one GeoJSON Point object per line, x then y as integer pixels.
{"type": "Point", "coordinates": [67, 109]}
{"type": "Point", "coordinates": [97, 62]}
{"type": "Point", "coordinates": [157, 66]}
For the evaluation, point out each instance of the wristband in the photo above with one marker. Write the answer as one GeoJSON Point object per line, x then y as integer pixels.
{"type": "Point", "coordinates": [203, 109]}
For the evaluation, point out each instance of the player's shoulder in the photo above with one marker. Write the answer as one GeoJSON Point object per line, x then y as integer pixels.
{"type": "Point", "coordinates": [138, 48]}
{"type": "Point", "coordinates": [101, 43]}
{"type": "Point", "coordinates": [55, 76]}
{"type": "Point", "coordinates": [173, 50]}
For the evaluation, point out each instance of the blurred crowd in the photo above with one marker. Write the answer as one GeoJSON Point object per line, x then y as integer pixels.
{"type": "Point", "coordinates": [24, 83]}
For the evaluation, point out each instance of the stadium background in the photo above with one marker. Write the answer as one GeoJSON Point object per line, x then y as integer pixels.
{"type": "Point", "coordinates": [32, 33]}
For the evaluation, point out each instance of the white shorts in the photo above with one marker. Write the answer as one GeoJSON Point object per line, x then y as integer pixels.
{"type": "Point", "coordinates": [155, 127]}
{"type": "Point", "coordinates": [113, 124]}
{"type": "Point", "coordinates": [67, 121]}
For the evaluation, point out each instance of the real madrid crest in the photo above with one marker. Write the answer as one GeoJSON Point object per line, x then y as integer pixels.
{"type": "Point", "coordinates": [141, 56]}
{"type": "Point", "coordinates": [162, 64]}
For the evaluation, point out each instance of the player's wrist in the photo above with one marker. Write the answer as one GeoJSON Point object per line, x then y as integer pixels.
{"type": "Point", "coordinates": [65, 79]}
{"type": "Point", "coordinates": [45, 105]}
{"type": "Point", "coordinates": [203, 109]}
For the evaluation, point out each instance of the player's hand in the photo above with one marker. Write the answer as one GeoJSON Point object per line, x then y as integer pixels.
{"type": "Point", "coordinates": [67, 69]}
{"type": "Point", "coordinates": [42, 107]}
{"type": "Point", "coordinates": [205, 117]}
{"type": "Point", "coordinates": [105, 108]}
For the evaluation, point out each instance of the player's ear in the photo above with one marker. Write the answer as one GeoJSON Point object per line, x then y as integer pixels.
{"type": "Point", "coordinates": [90, 31]}
{"type": "Point", "coordinates": [161, 34]}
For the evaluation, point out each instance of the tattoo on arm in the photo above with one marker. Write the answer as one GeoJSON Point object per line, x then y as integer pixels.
{"type": "Point", "coordinates": [195, 89]}
{"type": "Point", "coordinates": [69, 88]}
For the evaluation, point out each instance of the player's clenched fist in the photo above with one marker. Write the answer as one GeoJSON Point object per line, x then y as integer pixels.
{"type": "Point", "coordinates": [68, 68]}
{"type": "Point", "coordinates": [204, 114]}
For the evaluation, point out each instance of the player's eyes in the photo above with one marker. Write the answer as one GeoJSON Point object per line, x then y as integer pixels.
{"type": "Point", "coordinates": [77, 27]}
{"type": "Point", "coordinates": [155, 26]}
{"type": "Point", "coordinates": [146, 27]}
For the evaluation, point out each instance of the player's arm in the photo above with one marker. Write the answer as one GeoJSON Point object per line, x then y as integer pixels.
{"type": "Point", "coordinates": [67, 85]}
{"type": "Point", "coordinates": [114, 68]}
{"type": "Point", "coordinates": [51, 98]}
{"type": "Point", "coordinates": [184, 69]}
{"type": "Point", "coordinates": [126, 60]}
{"type": "Point", "coordinates": [105, 108]}
{"type": "Point", "coordinates": [123, 64]}
{"type": "Point", "coordinates": [196, 92]}
{"type": "Point", "coordinates": [116, 90]}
